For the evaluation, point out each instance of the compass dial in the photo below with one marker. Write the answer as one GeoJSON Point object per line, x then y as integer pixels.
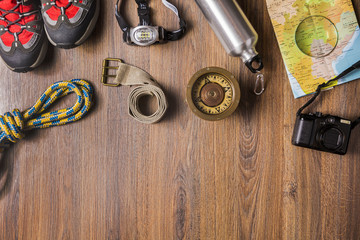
{"type": "Point", "coordinates": [213, 93]}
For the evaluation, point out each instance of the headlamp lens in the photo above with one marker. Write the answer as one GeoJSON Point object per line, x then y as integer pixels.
{"type": "Point", "coordinates": [144, 35]}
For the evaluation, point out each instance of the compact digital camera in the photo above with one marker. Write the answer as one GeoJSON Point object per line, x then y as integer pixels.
{"type": "Point", "coordinates": [322, 132]}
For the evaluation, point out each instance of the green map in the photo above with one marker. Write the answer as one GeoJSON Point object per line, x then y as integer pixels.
{"type": "Point", "coordinates": [318, 39]}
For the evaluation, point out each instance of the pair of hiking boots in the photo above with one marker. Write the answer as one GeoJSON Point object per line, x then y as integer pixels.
{"type": "Point", "coordinates": [27, 25]}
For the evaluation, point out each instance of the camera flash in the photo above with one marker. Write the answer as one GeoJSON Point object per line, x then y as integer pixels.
{"type": "Point", "coordinates": [345, 121]}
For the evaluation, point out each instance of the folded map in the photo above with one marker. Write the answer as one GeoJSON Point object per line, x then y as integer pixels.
{"type": "Point", "coordinates": [318, 39]}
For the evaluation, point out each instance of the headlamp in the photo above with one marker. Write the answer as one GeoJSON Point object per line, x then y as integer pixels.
{"type": "Point", "coordinates": [145, 34]}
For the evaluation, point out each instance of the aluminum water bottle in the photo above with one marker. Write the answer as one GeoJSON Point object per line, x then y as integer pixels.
{"type": "Point", "coordinates": [233, 29]}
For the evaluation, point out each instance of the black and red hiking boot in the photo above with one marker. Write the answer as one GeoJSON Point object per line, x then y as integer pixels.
{"type": "Point", "coordinates": [68, 23]}
{"type": "Point", "coordinates": [23, 43]}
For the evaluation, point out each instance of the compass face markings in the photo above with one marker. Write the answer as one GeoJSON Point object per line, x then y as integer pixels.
{"type": "Point", "coordinates": [223, 82]}
{"type": "Point", "coordinates": [213, 93]}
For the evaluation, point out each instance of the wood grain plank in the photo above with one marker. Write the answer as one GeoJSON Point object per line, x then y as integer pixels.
{"type": "Point", "coordinates": [110, 177]}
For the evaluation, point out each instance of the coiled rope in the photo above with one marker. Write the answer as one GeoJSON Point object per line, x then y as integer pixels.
{"type": "Point", "coordinates": [13, 124]}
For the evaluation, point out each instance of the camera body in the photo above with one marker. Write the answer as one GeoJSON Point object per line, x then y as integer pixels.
{"type": "Point", "coordinates": [322, 132]}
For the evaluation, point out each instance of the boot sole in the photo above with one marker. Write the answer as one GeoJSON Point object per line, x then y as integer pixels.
{"type": "Point", "coordinates": [37, 63]}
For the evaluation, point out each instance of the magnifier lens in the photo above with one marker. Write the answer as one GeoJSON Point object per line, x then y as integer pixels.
{"type": "Point", "coordinates": [316, 36]}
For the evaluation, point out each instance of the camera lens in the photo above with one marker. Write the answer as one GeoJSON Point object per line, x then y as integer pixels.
{"type": "Point", "coordinates": [331, 138]}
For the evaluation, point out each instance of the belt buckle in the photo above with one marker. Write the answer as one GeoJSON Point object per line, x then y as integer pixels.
{"type": "Point", "coordinates": [106, 67]}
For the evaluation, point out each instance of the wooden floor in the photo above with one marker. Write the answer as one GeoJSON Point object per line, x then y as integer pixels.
{"type": "Point", "coordinates": [110, 177]}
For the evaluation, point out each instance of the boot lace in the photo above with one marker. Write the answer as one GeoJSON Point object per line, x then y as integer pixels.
{"type": "Point", "coordinates": [17, 21]}
{"type": "Point", "coordinates": [62, 8]}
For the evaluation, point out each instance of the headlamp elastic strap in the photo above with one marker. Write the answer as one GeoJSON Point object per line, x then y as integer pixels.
{"type": "Point", "coordinates": [143, 12]}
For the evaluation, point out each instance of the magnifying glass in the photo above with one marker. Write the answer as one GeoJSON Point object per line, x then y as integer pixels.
{"type": "Point", "coordinates": [316, 36]}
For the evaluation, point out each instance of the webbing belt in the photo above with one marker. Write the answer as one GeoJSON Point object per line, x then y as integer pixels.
{"type": "Point", "coordinates": [128, 75]}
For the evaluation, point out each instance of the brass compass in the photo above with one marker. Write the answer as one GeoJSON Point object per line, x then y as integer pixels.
{"type": "Point", "coordinates": [213, 93]}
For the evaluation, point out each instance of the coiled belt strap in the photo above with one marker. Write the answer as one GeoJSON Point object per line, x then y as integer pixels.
{"type": "Point", "coordinates": [131, 76]}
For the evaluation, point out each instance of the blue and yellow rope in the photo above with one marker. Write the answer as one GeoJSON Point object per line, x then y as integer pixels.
{"type": "Point", "coordinates": [15, 123]}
